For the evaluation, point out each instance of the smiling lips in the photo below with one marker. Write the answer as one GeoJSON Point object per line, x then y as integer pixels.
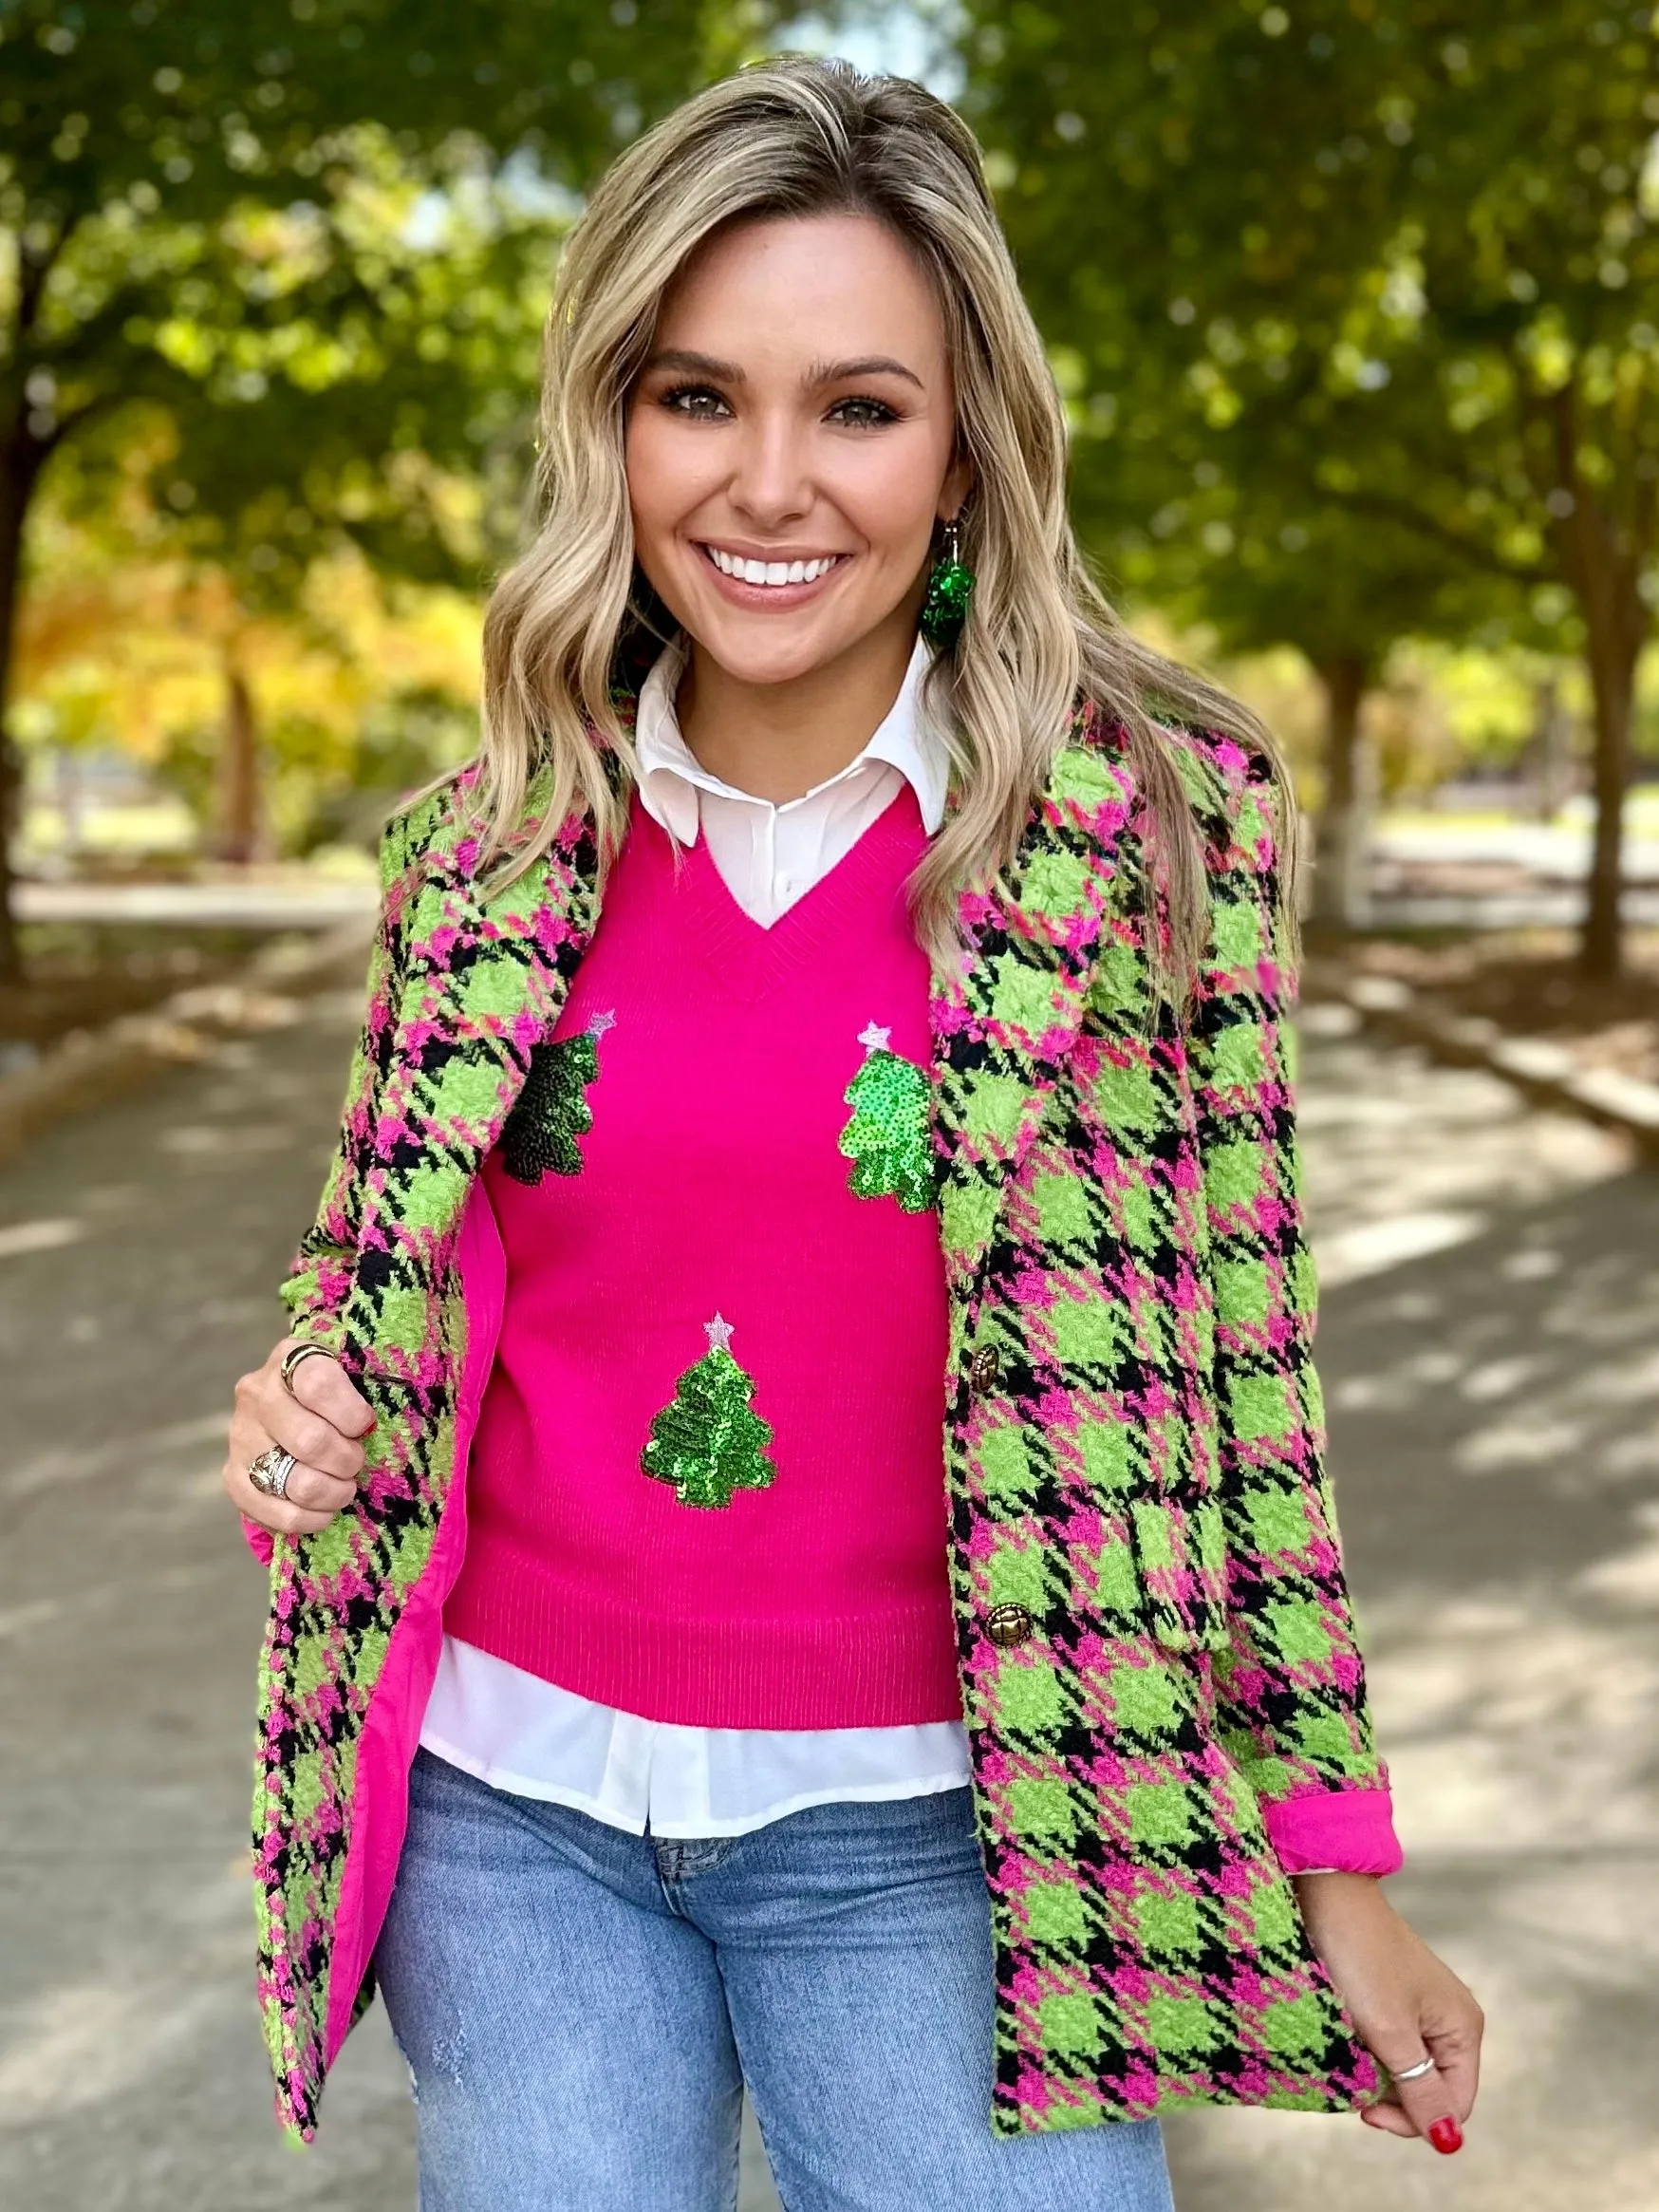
{"type": "Point", "coordinates": [773, 574]}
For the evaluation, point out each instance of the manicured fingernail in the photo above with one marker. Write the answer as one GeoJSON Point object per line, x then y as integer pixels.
{"type": "Point", "coordinates": [1447, 2136]}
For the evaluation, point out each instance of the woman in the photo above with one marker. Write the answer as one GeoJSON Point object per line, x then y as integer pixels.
{"type": "Point", "coordinates": [852, 960]}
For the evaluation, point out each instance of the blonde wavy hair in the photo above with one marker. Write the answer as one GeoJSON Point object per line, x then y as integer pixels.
{"type": "Point", "coordinates": [799, 136]}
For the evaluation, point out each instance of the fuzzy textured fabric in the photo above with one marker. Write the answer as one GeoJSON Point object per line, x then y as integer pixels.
{"type": "Point", "coordinates": [1132, 1448]}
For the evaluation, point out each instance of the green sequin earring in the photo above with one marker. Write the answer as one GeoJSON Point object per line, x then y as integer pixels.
{"type": "Point", "coordinates": [949, 587]}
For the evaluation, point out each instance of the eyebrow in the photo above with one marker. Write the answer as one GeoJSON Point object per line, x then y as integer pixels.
{"type": "Point", "coordinates": [817, 374]}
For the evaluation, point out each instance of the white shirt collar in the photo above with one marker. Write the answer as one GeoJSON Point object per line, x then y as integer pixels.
{"type": "Point", "coordinates": [671, 775]}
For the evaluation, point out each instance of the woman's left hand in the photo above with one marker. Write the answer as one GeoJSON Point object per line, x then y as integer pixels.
{"type": "Point", "coordinates": [1406, 2004]}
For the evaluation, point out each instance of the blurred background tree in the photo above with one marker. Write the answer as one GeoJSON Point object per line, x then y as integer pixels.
{"type": "Point", "coordinates": [134, 640]}
{"type": "Point", "coordinates": [1321, 286]}
{"type": "Point", "coordinates": [315, 237]}
{"type": "Point", "coordinates": [1371, 285]}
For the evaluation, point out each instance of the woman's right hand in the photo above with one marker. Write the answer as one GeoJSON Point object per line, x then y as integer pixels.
{"type": "Point", "coordinates": [322, 1421]}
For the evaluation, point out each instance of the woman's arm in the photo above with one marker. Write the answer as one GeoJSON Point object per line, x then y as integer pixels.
{"type": "Point", "coordinates": [322, 1419]}
{"type": "Point", "coordinates": [318, 1283]}
{"type": "Point", "coordinates": [1291, 1683]}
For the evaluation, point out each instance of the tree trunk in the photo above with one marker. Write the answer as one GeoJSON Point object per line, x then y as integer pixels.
{"type": "Point", "coordinates": [1342, 836]}
{"type": "Point", "coordinates": [1601, 558]}
{"type": "Point", "coordinates": [237, 837]}
{"type": "Point", "coordinates": [19, 468]}
{"type": "Point", "coordinates": [1613, 648]}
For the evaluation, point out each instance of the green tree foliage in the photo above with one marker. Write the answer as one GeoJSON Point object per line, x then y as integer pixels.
{"type": "Point", "coordinates": [1387, 271]}
{"type": "Point", "coordinates": [314, 232]}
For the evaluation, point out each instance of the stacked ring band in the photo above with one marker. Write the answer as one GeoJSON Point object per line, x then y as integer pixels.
{"type": "Point", "coordinates": [270, 1471]}
{"type": "Point", "coordinates": [292, 1359]}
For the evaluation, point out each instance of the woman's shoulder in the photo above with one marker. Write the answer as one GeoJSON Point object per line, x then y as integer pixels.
{"type": "Point", "coordinates": [429, 825]}
{"type": "Point", "coordinates": [1233, 786]}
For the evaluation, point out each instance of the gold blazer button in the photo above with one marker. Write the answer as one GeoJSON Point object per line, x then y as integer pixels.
{"type": "Point", "coordinates": [1008, 1624]}
{"type": "Point", "coordinates": [984, 1367]}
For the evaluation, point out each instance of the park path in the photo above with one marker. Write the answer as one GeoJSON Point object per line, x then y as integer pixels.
{"type": "Point", "coordinates": [1489, 1350]}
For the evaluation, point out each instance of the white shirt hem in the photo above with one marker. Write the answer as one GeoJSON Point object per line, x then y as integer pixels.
{"type": "Point", "coordinates": [688, 1830]}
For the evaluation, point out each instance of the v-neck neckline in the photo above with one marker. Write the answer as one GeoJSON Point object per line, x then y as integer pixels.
{"type": "Point", "coordinates": [733, 944]}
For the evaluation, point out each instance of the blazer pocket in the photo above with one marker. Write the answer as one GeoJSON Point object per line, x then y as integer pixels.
{"type": "Point", "coordinates": [1181, 1552]}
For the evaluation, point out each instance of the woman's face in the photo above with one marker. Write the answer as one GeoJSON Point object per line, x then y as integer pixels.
{"type": "Point", "coordinates": [796, 411]}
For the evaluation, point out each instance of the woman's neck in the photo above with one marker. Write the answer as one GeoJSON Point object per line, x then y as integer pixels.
{"type": "Point", "coordinates": [777, 740]}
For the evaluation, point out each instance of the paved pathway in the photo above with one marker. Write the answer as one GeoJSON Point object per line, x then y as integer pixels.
{"type": "Point", "coordinates": [1492, 1280]}
{"type": "Point", "coordinates": [1490, 1353]}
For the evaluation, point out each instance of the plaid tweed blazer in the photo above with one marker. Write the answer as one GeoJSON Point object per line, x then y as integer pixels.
{"type": "Point", "coordinates": [1155, 1640]}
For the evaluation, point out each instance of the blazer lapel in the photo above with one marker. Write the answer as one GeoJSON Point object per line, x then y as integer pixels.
{"type": "Point", "coordinates": [485, 978]}
{"type": "Point", "coordinates": [1004, 1024]}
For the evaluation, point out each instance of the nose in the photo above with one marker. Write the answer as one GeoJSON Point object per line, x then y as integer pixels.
{"type": "Point", "coordinates": [772, 481]}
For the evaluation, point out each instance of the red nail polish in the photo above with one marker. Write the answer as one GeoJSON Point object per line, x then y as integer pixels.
{"type": "Point", "coordinates": [1447, 2136]}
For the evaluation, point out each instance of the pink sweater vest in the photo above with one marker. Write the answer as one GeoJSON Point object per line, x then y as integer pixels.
{"type": "Point", "coordinates": [712, 1183]}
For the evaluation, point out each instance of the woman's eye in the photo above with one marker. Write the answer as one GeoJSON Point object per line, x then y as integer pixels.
{"type": "Point", "coordinates": [697, 400]}
{"type": "Point", "coordinates": [863, 414]}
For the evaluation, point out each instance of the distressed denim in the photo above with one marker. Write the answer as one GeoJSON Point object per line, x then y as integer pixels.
{"type": "Point", "coordinates": [581, 2008]}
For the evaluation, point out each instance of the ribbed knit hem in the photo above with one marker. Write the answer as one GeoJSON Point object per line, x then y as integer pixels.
{"type": "Point", "coordinates": [885, 1670]}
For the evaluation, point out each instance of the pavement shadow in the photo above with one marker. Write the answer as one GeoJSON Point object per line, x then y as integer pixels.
{"type": "Point", "coordinates": [1495, 1433]}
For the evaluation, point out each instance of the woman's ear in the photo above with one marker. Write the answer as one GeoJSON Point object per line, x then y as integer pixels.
{"type": "Point", "coordinates": [957, 489]}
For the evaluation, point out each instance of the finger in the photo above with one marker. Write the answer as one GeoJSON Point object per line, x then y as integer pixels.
{"type": "Point", "coordinates": [1437, 2104]}
{"type": "Point", "coordinates": [290, 1521]}
{"type": "Point", "coordinates": [278, 1514]}
{"type": "Point", "coordinates": [263, 1405]}
{"type": "Point", "coordinates": [1457, 2054]}
{"type": "Point", "coordinates": [312, 1489]}
{"type": "Point", "coordinates": [1387, 2119]}
{"type": "Point", "coordinates": [1429, 2104]}
{"type": "Point", "coordinates": [309, 1436]}
{"type": "Point", "coordinates": [324, 1386]}
{"type": "Point", "coordinates": [311, 1498]}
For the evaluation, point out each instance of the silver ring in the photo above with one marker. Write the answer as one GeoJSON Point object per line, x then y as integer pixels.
{"type": "Point", "coordinates": [1416, 2072]}
{"type": "Point", "coordinates": [270, 1471]}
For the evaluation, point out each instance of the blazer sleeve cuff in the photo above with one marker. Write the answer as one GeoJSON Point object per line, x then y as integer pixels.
{"type": "Point", "coordinates": [1335, 1831]}
{"type": "Point", "coordinates": [260, 1541]}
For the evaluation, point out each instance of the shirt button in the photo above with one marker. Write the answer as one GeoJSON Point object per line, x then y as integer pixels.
{"type": "Point", "coordinates": [984, 1367]}
{"type": "Point", "coordinates": [1007, 1626]}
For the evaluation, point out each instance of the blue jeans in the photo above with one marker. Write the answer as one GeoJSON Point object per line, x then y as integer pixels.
{"type": "Point", "coordinates": [581, 2008]}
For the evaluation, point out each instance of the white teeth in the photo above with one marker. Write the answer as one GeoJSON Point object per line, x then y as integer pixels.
{"type": "Point", "coordinates": [770, 572]}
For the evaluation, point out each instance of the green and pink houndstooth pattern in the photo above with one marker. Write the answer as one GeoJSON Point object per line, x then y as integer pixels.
{"type": "Point", "coordinates": [1139, 1469]}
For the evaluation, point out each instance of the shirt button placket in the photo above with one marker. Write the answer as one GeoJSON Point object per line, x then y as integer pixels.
{"type": "Point", "coordinates": [767, 870]}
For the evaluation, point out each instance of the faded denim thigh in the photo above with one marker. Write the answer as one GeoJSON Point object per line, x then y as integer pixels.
{"type": "Point", "coordinates": [581, 2009]}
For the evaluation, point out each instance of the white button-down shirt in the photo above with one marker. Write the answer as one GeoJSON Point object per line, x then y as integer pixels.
{"type": "Point", "coordinates": [511, 1728]}
{"type": "Point", "coordinates": [770, 855]}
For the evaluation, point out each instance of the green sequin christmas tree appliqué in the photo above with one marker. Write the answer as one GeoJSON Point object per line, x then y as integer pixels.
{"type": "Point", "coordinates": [887, 1136]}
{"type": "Point", "coordinates": [708, 1441]}
{"type": "Point", "coordinates": [551, 1111]}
